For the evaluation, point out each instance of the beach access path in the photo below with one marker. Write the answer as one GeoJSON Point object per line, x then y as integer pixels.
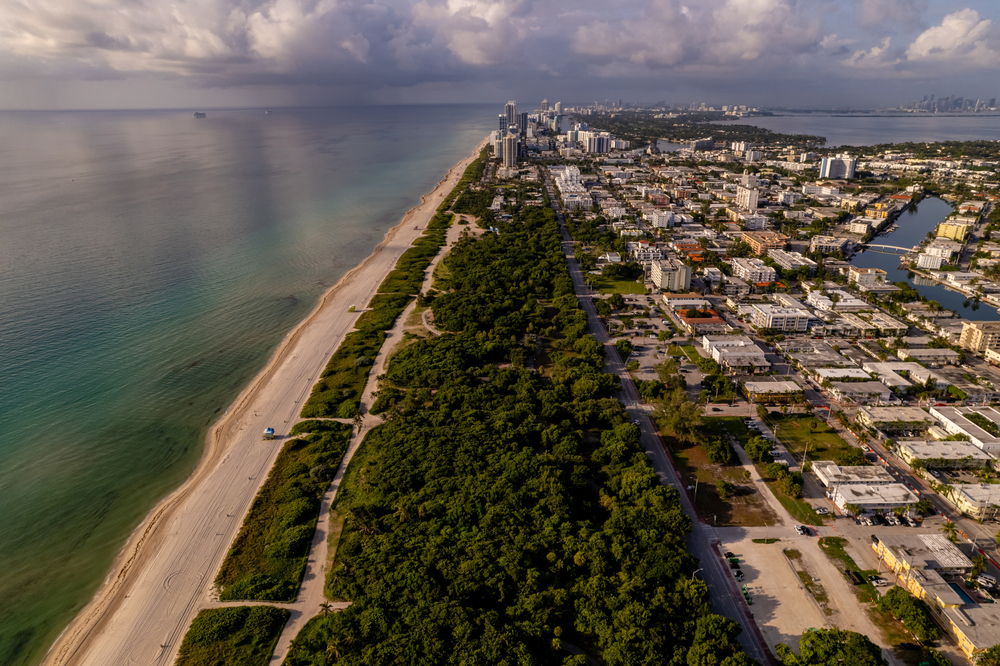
{"type": "Point", "coordinates": [165, 573]}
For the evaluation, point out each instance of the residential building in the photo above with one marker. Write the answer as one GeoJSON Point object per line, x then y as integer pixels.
{"type": "Point", "coordinates": [702, 144]}
{"type": "Point", "coordinates": [872, 498]}
{"type": "Point", "coordinates": [955, 230]}
{"type": "Point", "coordinates": [978, 336]}
{"type": "Point", "coordinates": [788, 197]}
{"type": "Point", "coordinates": [831, 475]}
{"type": "Point", "coordinates": [713, 276]}
{"type": "Point", "coordinates": [929, 356]}
{"type": "Point", "coordinates": [929, 261]}
{"type": "Point", "coordinates": [895, 420]}
{"type": "Point", "coordinates": [824, 374]}
{"type": "Point", "coordinates": [891, 374]}
{"type": "Point", "coordinates": [734, 286]}
{"type": "Point", "coordinates": [978, 501]}
{"type": "Point", "coordinates": [754, 222]}
{"type": "Point", "coordinates": [762, 241]}
{"type": "Point", "coordinates": [736, 353]}
{"type": "Point", "coordinates": [980, 424]}
{"type": "Point", "coordinates": [865, 277]}
{"type": "Point", "coordinates": [792, 261]}
{"type": "Point", "coordinates": [943, 454]}
{"type": "Point", "coordinates": [862, 393]}
{"type": "Point", "coordinates": [861, 226]}
{"type": "Point", "coordinates": [670, 275]}
{"type": "Point", "coordinates": [746, 198]}
{"type": "Point", "coordinates": [835, 299]}
{"type": "Point", "coordinates": [510, 148]}
{"type": "Point", "coordinates": [942, 247]}
{"type": "Point", "coordinates": [842, 166]}
{"type": "Point", "coordinates": [829, 244]}
{"type": "Point", "coordinates": [773, 392]}
{"type": "Point", "coordinates": [780, 318]}
{"type": "Point", "coordinates": [752, 270]}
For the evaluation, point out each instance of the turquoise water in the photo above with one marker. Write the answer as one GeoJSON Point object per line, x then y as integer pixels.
{"type": "Point", "coordinates": [149, 265]}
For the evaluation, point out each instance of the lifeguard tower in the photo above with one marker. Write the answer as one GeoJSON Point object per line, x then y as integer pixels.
{"type": "Point", "coordinates": [268, 434]}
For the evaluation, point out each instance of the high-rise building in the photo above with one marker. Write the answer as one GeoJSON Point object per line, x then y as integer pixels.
{"type": "Point", "coordinates": [522, 122]}
{"type": "Point", "coordinates": [559, 106]}
{"type": "Point", "coordinates": [510, 112]}
{"type": "Point", "coordinates": [510, 148]}
{"type": "Point", "coordinates": [545, 105]}
{"type": "Point", "coordinates": [841, 166]}
{"type": "Point", "coordinates": [502, 123]}
{"type": "Point", "coordinates": [746, 197]}
{"type": "Point", "coordinates": [670, 275]}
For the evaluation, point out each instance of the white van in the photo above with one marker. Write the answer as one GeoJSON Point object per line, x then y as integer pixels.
{"type": "Point", "coordinates": [986, 581]}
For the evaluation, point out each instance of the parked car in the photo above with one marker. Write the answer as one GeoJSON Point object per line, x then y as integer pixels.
{"type": "Point", "coordinates": [734, 565]}
{"type": "Point", "coordinates": [986, 581]}
{"type": "Point", "coordinates": [729, 554]}
{"type": "Point", "coordinates": [799, 530]}
{"type": "Point", "coordinates": [822, 510]}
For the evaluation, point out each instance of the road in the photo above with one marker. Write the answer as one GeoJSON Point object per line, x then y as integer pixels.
{"type": "Point", "coordinates": [726, 597]}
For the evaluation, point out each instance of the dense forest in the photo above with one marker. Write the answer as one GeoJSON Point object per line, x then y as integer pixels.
{"type": "Point", "coordinates": [506, 513]}
{"type": "Point", "coordinates": [645, 128]}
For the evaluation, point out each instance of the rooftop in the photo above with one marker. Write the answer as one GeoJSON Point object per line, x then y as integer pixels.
{"type": "Point", "coordinates": [979, 622]}
{"type": "Point", "coordinates": [830, 473]}
{"type": "Point", "coordinates": [894, 494]}
{"type": "Point", "coordinates": [946, 450]}
{"type": "Point", "coordinates": [925, 551]}
{"type": "Point", "coordinates": [901, 413]}
{"type": "Point", "coordinates": [772, 387]}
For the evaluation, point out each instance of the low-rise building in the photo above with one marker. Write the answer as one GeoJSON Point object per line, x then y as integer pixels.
{"type": "Point", "coordinates": [780, 318]}
{"type": "Point", "coordinates": [735, 287]}
{"type": "Point", "coordinates": [943, 454]}
{"type": "Point", "coordinates": [792, 261]}
{"type": "Point", "coordinates": [976, 500]}
{"type": "Point", "coordinates": [980, 424]}
{"type": "Point", "coordinates": [932, 357]}
{"type": "Point", "coordinates": [891, 374]}
{"type": "Point", "coordinates": [831, 475]}
{"type": "Point", "coordinates": [865, 277]}
{"type": "Point", "coordinates": [836, 300]}
{"type": "Point", "coordinates": [861, 392]}
{"type": "Point", "coordinates": [829, 244]}
{"type": "Point", "coordinates": [929, 261]}
{"type": "Point", "coordinates": [841, 374]}
{"type": "Point", "coordinates": [773, 392]}
{"type": "Point", "coordinates": [872, 498]}
{"type": "Point", "coordinates": [895, 420]}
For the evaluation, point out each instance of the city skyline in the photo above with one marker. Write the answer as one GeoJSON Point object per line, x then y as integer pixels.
{"type": "Point", "coordinates": [864, 53]}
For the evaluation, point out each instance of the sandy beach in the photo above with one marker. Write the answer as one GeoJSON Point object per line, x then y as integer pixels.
{"type": "Point", "coordinates": [163, 575]}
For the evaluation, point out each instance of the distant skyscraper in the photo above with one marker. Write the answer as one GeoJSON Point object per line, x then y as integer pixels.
{"type": "Point", "coordinates": [510, 111]}
{"type": "Point", "coordinates": [510, 148]}
{"type": "Point", "coordinates": [502, 126]}
{"type": "Point", "coordinates": [559, 106]}
{"type": "Point", "coordinates": [522, 122]}
{"type": "Point", "coordinates": [841, 166]}
{"type": "Point", "coordinates": [545, 105]}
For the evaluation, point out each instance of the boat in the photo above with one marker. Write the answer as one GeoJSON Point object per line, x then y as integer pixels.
{"type": "Point", "coordinates": [199, 114]}
{"type": "Point", "coordinates": [267, 112]}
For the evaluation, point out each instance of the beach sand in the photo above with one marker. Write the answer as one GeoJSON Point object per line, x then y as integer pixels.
{"type": "Point", "coordinates": [164, 574]}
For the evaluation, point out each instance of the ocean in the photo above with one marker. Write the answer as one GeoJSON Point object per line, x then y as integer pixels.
{"type": "Point", "coordinates": [870, 129]}
{"type": "Point", "coordinates": [150, 262]}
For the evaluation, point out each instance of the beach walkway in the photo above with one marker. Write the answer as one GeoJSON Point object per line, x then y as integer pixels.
{"type": "Point", "coordinates": [164, 574]}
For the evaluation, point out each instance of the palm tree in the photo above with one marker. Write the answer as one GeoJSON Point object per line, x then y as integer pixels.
{"type": "Point", "coordinates": [949, 530]}
{"type": "Point", "coordinates": [326, 608]}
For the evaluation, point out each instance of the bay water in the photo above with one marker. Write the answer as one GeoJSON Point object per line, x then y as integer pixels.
{"type": "Point", "coordinates": [150, 263]}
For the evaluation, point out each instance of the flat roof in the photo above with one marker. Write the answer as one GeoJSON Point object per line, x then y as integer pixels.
{"type": "Point", "coordinates": [946, 450]}
{"type": "Point", "coordinates": [925, 551]}
{"type": "Point", "coordinates": [979, 492]}
{"type": "Point", "coordinates": [860, 387]}
{"type": "Point", "coordinates": [900, 413]}
{"type": "Point", "coordinates": [956, 416]}
{"type": "Point", "coordinates": [932, 583]}
{"type": "Point", "coordinates": [895, 494]}
{"type": "Point", "coordinates": [832, 473]}
{"type": "Point", "coordinates": [772, 387]}
{"type": "Point", "coordinates": [830, 373]}
{"type": "Point", "coordinates": [979, 622]}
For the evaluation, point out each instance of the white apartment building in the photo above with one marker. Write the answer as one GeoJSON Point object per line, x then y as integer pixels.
{"type": "Point", "coordinates": [929, 261]}
{"type": "Point", "coordinates": [752, 270]}
{"type": "Point", "coordinates": [841, 166]}
{"type": "Point", "coordinates": [660, 219]}
{"type": "Point", "coordinates": [846, 302]}
{"type": "Point", "coordinates": [755, 222]}
{"type": "Point", "coordinates": [860, 227]}
{"type": "Point", "coordinates": [828, 244]}
{"type": "Point", "coordinates": [779, 318]}
{"type": "Point", "coordinates": [643, 251]}
{"type": "Point", "coordinates": [942, 247]}
{"type": "Point", "coordinates": [670, 275]}
{"type": "Point", "coordinates": [865, 277]}
{"type": "Point", "coordinates": [746, 198]}
{"type": "Point", "coordinates": [788, 197]}
{"type": "Point", "coordinates": [792, 261]}
{"type": "Point", "coordinates": [713, 276]}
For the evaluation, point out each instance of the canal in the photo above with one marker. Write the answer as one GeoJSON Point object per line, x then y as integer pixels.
{"type": "Point", "coordinates": [914, 224]}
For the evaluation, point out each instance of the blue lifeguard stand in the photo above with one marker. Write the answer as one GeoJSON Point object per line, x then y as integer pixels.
{"type": "Point", "coordinates": [269, 433]}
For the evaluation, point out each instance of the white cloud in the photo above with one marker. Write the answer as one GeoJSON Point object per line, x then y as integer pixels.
{"type": "Point", "coordinates": [963, 38]}
{"type": "Point", "coordinates": [876, 56]}
{"type": "Point", "coordinates": [879, 13]}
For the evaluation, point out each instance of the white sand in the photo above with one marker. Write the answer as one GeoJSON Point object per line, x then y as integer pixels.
{"type": "Point", "coordinates": [164, 574]}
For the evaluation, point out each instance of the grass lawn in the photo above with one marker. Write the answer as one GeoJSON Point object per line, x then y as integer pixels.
{"type": "Point", "coordinates": [620, 287]}
{"type": "Point", "coordinates": [691, 353]}
{"type": "Point", "coordinates": [797, 431]}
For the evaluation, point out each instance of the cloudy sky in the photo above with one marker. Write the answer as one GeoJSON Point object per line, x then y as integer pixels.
{"type": "Point", "coordinates": [184, 53]}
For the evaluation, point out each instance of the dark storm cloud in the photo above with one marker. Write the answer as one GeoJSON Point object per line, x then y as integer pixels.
{"type": "Point", "coordinates": [586, 46]}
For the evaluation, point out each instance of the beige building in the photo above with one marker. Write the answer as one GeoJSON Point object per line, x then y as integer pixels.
{"type": "Point", "coordinates": [865, 277]}
{"type": "Point", "coordinates": [670, 275]}
{"type": "Point", "coordinates": [978, 336]}
{"type": "Point", "coordinates": [762, 241]}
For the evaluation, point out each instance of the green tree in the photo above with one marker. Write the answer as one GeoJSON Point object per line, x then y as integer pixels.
{"type": "Point", "coordinates": [724, 488]}
{"type": "Point", "coordinates": [990, 657]}
{"type": "Point", "coordinates": [683, 420]}
{"type": "Point", "coordinates": [832, 647]}
{"type": "Point", "coordinates": [616, 301]}
{"type": "Point", "coordinates": [758, 450]}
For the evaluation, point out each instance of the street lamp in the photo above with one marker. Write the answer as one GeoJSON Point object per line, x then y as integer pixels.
{"type": "Point", "coordinates": [694, 572]}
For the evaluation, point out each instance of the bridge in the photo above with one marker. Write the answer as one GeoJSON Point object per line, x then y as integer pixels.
{"type": "Point", "coordinates": [889, 249]}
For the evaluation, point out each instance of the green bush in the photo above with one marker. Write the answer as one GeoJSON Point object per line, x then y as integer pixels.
{"type": "Point", "coordinates": [239, 636]}
{"type": "Point", "coordinates": [268, 558]}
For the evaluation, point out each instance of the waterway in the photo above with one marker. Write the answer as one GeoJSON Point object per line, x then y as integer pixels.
{"type": "Point", "coordinates": [914, 224]}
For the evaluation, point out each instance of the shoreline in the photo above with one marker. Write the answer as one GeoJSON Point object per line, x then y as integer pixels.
{"type": "Point", "coordinates": [143, 544]}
